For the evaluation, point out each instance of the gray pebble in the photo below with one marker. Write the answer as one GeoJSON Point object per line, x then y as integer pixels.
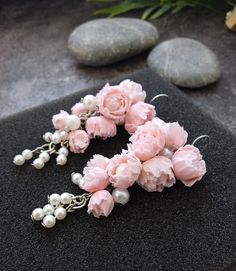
{"type": "Point", "coordinates": [105, 41]}
{"type": "Point", "coordinates": [185, 62]}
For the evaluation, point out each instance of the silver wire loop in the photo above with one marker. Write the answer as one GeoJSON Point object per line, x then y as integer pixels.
{"type": "Point", "coordinates": [201, 137]}
{"type": "Point", "coordinates": [78, 202]}
{"type": "Point", "coordinates": [158, 96]}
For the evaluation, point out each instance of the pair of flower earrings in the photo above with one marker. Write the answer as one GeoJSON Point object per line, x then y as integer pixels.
{"type": "Point", "coordinates": [156, 156]}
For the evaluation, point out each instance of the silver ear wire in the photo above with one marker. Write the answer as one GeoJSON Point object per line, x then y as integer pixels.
{"type": "Point", "coordinates": [158, 96]}
{"type": "Point", "coordinates": [201, 137]}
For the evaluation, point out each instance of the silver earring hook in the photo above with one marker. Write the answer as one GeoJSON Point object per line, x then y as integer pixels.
{"type": "Point", "coordinates": [201, 137]}
{"type": "Point", "coordinates": [158, 96]}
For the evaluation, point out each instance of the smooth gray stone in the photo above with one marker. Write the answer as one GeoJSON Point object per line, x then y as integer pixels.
{"type": "Point", "coordinates": [105, 41]}
{"type": "Point", "coordinates": [185, 62]}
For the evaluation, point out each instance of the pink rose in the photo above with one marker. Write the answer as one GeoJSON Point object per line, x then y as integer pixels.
{"type": "Point", "coordinates": [147, 141]}
{"type": "Point", "coordinates": [59, 120]}
{"type": "Point", "coordinates": [138, 114]}
{"type": "Point", "coordinates": [78, 141]}
{"type": "Point", "coordinates": [101, 203]}
{"type": "Point", "coordinates": [188, 165]}
{"type": "Point", "coordinates": [175, 135]}
{"type": "Point", "coordinates": [95, 174]}
{"type": "Point", "coordinates": [101, 127]}
{"type": "Point", "coordinates": [156, 174]}
{"type": "Point", "coordinates": [133, 90]}
{"type": "Point", "coordinates": [78, 109]}
{"type": "Point", "coordinates": [113, 102]}
{"type": "Point", "coordinates": [123, 170]}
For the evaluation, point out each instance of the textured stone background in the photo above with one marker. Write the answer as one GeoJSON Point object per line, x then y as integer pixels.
{"type": "Point", "coordinates": [36, 67]}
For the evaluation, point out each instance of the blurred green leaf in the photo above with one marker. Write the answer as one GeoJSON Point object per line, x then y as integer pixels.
{"type": "Point", "coordinates": [121, 8]}
{"type": "Point", "coordinates": [149, 11]}
{"type": "Point", "coordinates": [161, 11]}
{"type": "Point", "coordinates": [153, 9]}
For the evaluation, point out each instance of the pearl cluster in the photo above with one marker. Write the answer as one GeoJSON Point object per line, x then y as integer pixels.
{"type": "Point", "coordinates": [54, 210]}
{"type": "Point", "coordinates": [120, 196]}
{"type": "Point", "coordinates": [56, 137]}
{"type": "Point", "coordinates": [46, 150]}
{"type": "Point", "coordinates": [72, 123]}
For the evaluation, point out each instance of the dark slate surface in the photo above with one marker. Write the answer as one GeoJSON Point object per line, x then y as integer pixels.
{"type": "Point", "coordinates": [179, 229]}
{"type": "Point", "coordinates": [36, 66]}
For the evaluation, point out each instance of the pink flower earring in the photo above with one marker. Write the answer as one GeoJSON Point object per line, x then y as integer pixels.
{"type": "Point", "coordinates": [156, 156]}
{"type": "Point", "coordinates": [93, 116]}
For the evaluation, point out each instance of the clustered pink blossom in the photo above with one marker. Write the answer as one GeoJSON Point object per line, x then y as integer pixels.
{"type": "Point", "coordinates": [145, 162]}
{"type": "Point", "coordinates": [122, 103]}
{"type": "Point", "coordinates": [156, 156]}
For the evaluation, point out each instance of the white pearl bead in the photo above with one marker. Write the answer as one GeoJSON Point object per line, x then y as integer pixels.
{"type": "Point", "coordinates": [47, 137]}
{"type": "Point", "coordinates": [76, 178]}
{"type": "Point", "coordinates": [49, 221]}
{"type": "Point", "coordinates": [48, 209]}
{"type": "Point", "coordinates": [63, 150]}
{"type": "Point", "coordinates": [60, 213]}
{"type": "Point", "coordinates": [44, 156]}
{"type": "Point", "coordinates": [61, 159]}
{"type": "Point", "coordinates": [167, 153]}
{"type": "Point", "coordinates": [66, 198]}
{"type": "Point", "coordinates": [81, 183]}
{"type": "Point", "coordinates": [120, 195]}
{"type": "Point", "coordinates": [19, 160]}
{"type": "Point", "coordinates": [55, 199]}
{"type": "Point", "coordinates": [27, 154]}
{"type": "Point", "coordinates": [37, 214]}
{"type": "Point", "coordinates": [73, 122]}
{"type": "Point", "coordinates": [38, 163]}
{"type": "Point", "coordinates": [56, 138]}
{"type": "Point", "coordinates": [90, 102]}
{"type": "Point", "coordinates": [64, 135]}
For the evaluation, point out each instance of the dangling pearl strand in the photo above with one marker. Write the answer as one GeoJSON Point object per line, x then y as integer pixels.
{"type": "Point", "coordinates": [57, 208]}
{"type": "Point", "coordinates": [72, 123]}
{"type": "Point", "coordinates": [46, 150]}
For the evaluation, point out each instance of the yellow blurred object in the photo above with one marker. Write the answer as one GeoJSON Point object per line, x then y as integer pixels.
{"type": "Point", "coordinates": [231, 19]}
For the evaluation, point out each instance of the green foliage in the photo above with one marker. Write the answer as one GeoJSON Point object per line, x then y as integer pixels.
{"type": "Point", "coordinates": [153, 9]}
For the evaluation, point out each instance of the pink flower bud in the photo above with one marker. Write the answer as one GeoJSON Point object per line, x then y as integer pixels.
{"type": "Point", "coordinates": [101, 127]}
{"type": "Point", "coordinates": [59, 120]}
{"type": "Point", "coordinates": [101, 203]}
{"type": "Point", "coordinates": [188, 165]}
{"type": "Point", "coordinates": [78, 141]}
{"type": "Point", "coordinates": [156, 174]}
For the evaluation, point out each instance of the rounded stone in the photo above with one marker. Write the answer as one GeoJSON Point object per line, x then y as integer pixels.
{"type": "Point", "coordinates": [185, 62]}
{"type": "Point", "coordinates": [104, 41]}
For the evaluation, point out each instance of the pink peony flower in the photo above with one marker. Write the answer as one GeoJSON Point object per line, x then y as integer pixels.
{"type": "Point", "coordinates": [156, 174]}
{"type": "Point", "coordinates": [78, 109]}
{"type": "Point", "coordinates": [78, 141]}
{"type": "Point", "coordinates": [123, 170]}
{"type": "Point", "coordinates": [133, 90]}
{"type": "Point", "coordinates": [113, 102]}
{"type": "Point", "coordinates": [59, 120]}
{"type": "Point", "coordinates": [188, 165]}
{"type": "Point", "coordinates": [101, 203]}
{"type": "Point", "coordinates": [158, 122]}
{"type": "Point", "coordinates": [138, 114]}
{"type": "Point", "coordinates": [101, 127]}
{"type": "Point", "coordinates": [147, 141]}
{"type": "Point", "coordinates": [95, 174]}
{"type": "Point", "coordinates": [175, 135]}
